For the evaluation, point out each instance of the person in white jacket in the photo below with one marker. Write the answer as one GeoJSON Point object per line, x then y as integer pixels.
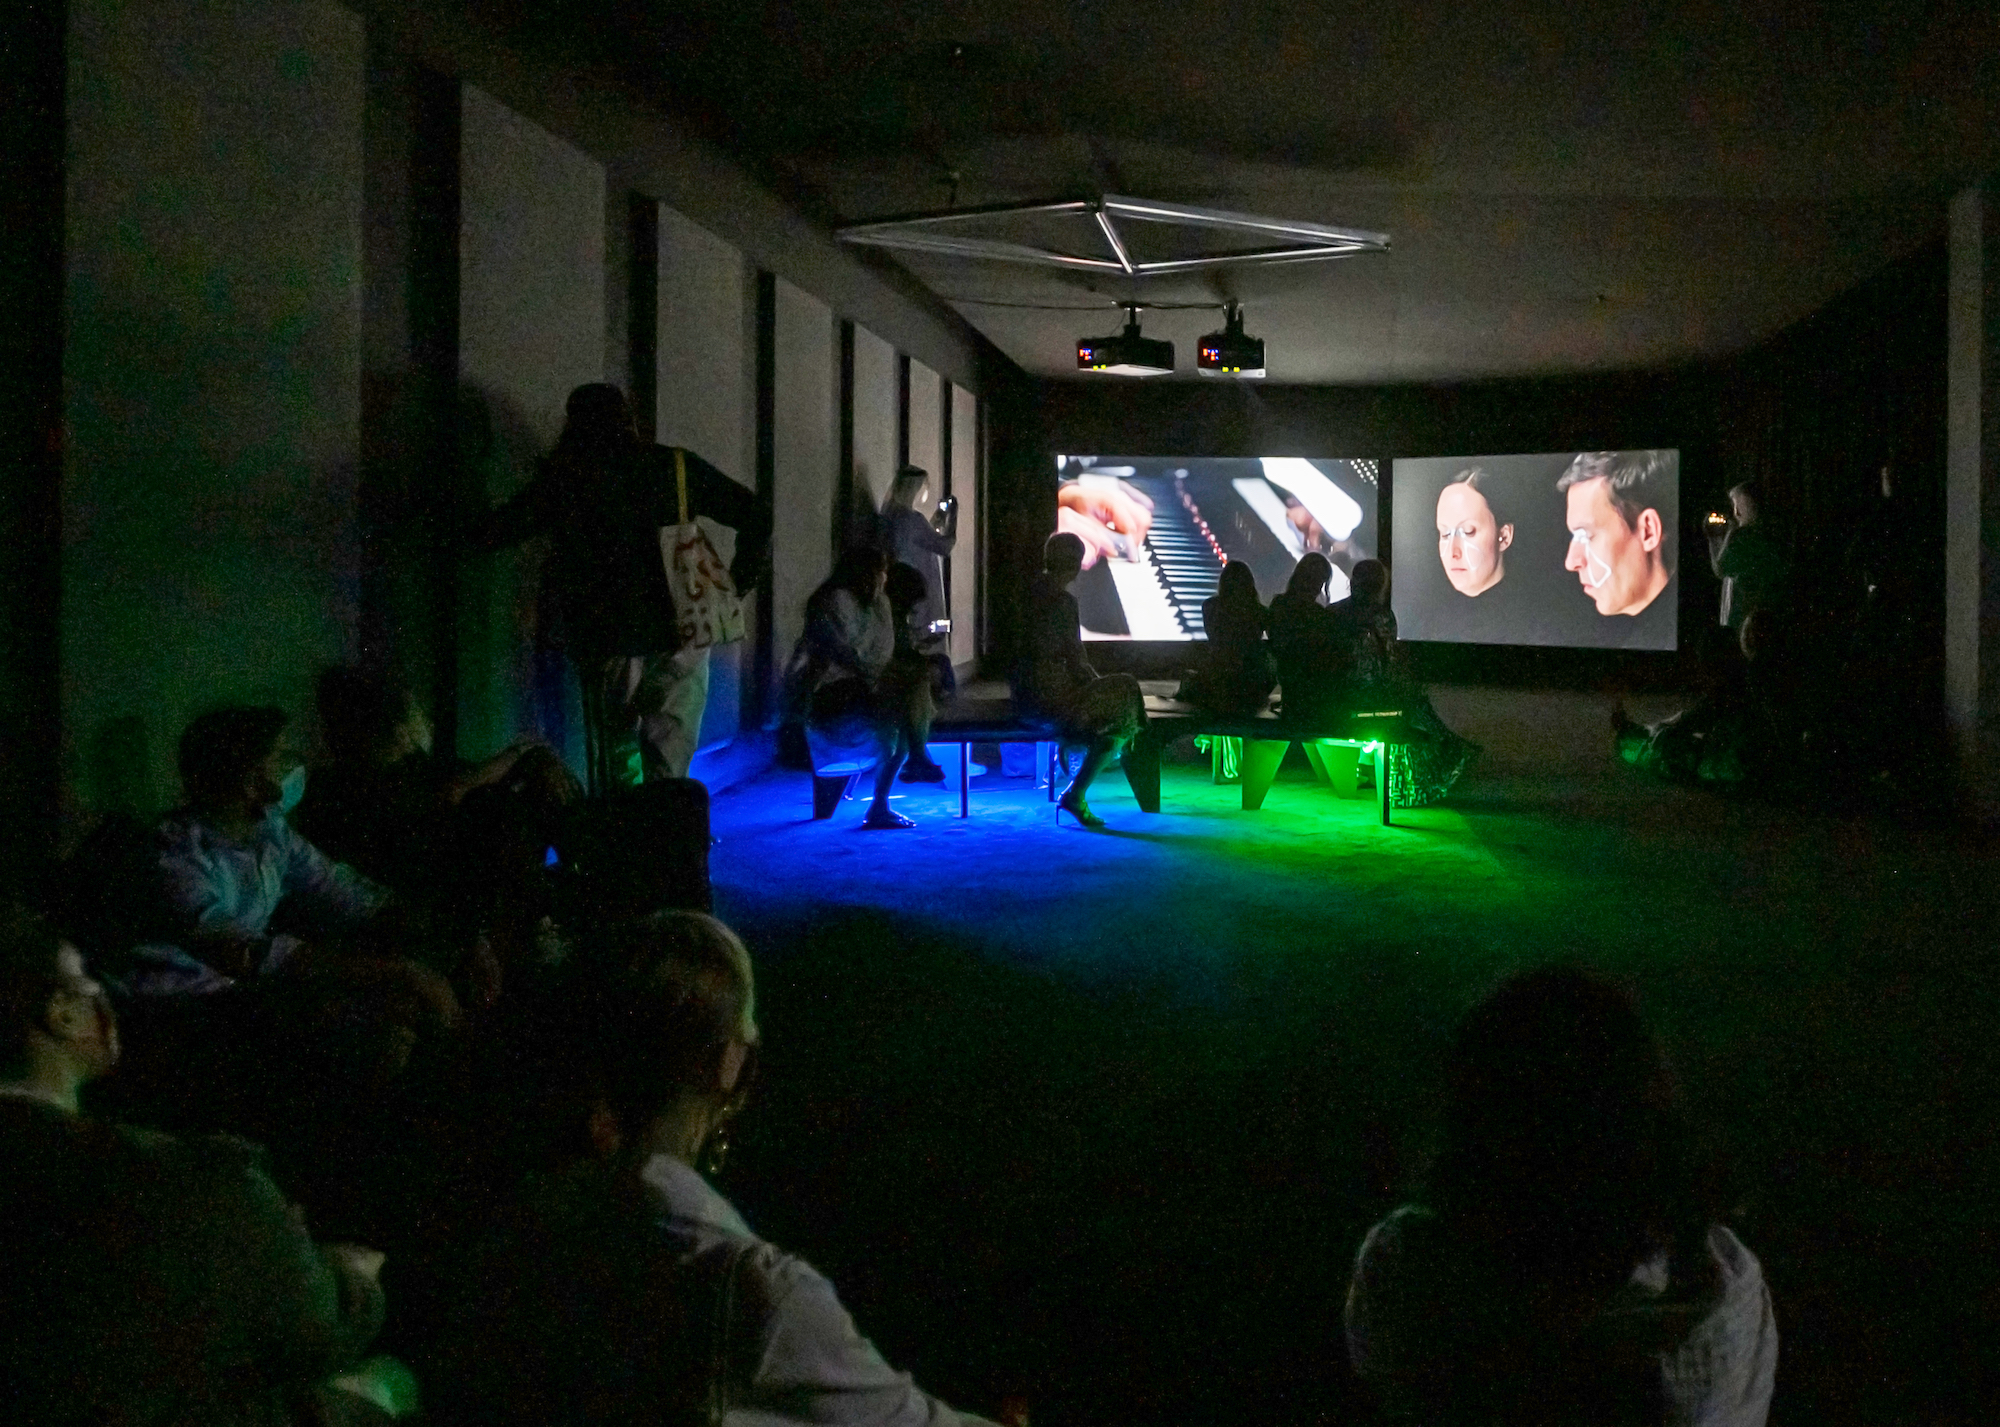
{"type": "Point", "coordinates": [626, 1289]}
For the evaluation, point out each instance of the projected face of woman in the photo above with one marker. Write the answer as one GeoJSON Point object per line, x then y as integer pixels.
{"type": "Point", "coordinates": [1471, 544]}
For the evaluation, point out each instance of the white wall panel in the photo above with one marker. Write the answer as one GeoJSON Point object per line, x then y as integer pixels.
{"type": "Point", "coordinates": [874, 417]}
{"type": "Point", "coordinates": [531, 328]}
{"type": "Point", "coordinates": [965, 557]}
{"type": "Point", "coordinates": [807, 453]}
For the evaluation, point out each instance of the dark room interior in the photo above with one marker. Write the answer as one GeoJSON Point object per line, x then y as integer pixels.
{"type": "Point", "coordinates": [502, 500]}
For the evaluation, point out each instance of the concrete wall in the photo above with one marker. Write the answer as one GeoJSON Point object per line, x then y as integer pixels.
{"type": "Point", "coordinates": [531, 325]}
{"type": "Point", "coordinates": [212, 370]}
{"type": "Point", "coordinates": [293, 229]}
{"type": "Point", "coordinates": [1972, 498]}
{"type": "Point", "coordinates": [874, 417]}
{"type": "Point", "coordinates": [807, 448]}
{"type": "Point", "coordinates": [672, 164]}
{"type": "Point", "coordinates": [927, 429]}
{"type": "Point", "coordinates": [965, 483]}
{"type": "Point", "coordinates": [706, 398]}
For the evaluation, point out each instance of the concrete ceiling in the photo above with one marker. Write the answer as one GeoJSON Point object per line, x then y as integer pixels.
{"type": "Point", "coordinates": [1568, 187]}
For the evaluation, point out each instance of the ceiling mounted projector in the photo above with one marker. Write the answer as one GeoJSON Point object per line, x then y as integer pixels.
{"type": "Point", "coordinates": [1229, 353]}
{"type": "Point", "coordinates": [1128, 354]}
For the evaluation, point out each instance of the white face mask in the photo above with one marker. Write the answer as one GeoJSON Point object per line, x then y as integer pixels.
{"type": "Point", "coordinates": [1592, 565]}
{"type": "Point", "coordinates": [292, 789]}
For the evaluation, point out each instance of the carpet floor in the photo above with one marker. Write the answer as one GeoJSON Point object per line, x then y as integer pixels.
{"type": "Point", "coordinates": [1097, 1120]}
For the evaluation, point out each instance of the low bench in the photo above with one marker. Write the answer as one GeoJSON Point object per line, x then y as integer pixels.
{"type": "Point", "coordinates": [1334, 745]}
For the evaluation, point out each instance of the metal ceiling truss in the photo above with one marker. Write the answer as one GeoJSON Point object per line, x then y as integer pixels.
{"type": "Point", "coordinates": [930, 233]}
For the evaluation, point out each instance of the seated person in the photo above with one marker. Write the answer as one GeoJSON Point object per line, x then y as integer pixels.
{"type": "Point", "coordinates": [1563, 1266]}
{"type": "Point", "coordinates": [389, 807]}
{"type": "Point", "coordinates": [1240, 672]}
{"type": "Point", "coordinates": [228, 857]}
{"type": "Point", "coordinates": [149, 1278]}
{"type": "Point", "coordinates": [859, 702]}
{"type": "Point", "coordinates": [228, 861]}
{"type": "Point", "coordinates": [627, 1290]}
{"type": "Point", "coordinates": [1364, 626]}
{"type": "Point", "coordinates": [1743, 730]}
{"type": "Point", "coordinates": [1310, 661]}
{"type": "Point", "coordinates": [909, 602]}
{"type": "Point", "coordinates": [1054, 682]}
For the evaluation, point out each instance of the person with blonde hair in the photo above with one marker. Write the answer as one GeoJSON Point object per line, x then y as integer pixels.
{"type": "Point", "coordinates": [625, 1288]}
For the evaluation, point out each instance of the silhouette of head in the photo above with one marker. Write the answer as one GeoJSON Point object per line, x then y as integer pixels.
{"type": "Point", "coordinates": [1239, 584]}
{"type": "Point", "coordinates": [1309, 577]}
{"type": "Point", "coordinates": [1062, 556]}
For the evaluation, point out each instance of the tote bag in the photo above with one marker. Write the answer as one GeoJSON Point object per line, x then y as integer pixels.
{"type": "Point", "coordinates": [707, 609]}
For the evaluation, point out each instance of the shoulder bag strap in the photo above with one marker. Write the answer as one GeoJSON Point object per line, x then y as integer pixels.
{"type": "Point", "coordinates": [681, 481]}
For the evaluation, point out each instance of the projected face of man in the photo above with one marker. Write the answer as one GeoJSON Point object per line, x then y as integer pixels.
{"type": "Point", "coordinates": [1471, 544]}
{"type": "Point", "coordinates": [1620, 565]}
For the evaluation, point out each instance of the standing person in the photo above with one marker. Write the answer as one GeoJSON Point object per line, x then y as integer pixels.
{"type": "Point", "coordinates": [909, 537]}
{"type": "Point", "coordinates": [1747, 557]}
{"type": "Point", "coordinates": [1055, 682]}
{"type": "Point", "coordinates": [148, 1279]}
{"type": "Point", "coordinates": [603, 496]}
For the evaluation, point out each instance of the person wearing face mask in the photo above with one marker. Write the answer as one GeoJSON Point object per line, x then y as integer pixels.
{"type": "Point", "coordinates": [228, 857]}
{"type": "Point", "coordinates": [621, 1287]}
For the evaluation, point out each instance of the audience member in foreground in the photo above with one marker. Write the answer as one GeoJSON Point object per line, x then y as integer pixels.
{"type": "Point", "coordinates": [627, 1290]}
{"type": "Point", "coordinates": [1563, 1267]}
{"type": "Point", "coordinates": [1364, 629]}
{"type": "Point", "coordinates": [1055, 682]}
{"type": "Point", "coordinates": [860, 702]}
{"type": "Point", "coordinates": [147, 1279]}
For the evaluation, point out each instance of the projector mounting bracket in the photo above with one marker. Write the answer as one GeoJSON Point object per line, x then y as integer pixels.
{"type": "Point", "coordinates": [1295, 241]}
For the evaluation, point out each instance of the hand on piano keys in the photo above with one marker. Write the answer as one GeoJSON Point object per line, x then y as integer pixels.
{"type": "Point", "coordinates": [1111, 517]}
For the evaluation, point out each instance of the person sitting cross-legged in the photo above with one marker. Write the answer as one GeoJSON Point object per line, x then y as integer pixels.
{"type": "Point", "coordinates": [623, 1288]}
{"type": "Point", "coordinates": [149, 1279]}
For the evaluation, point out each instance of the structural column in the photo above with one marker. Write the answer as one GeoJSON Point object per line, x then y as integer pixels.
{"type": "Point", "coordinates": [31, 286]}
{"type": "Point", "coordinates": [1972, 498]}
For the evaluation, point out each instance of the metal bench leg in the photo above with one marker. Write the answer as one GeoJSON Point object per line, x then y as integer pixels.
{"type": "Point", "coordinates": [1261, 757]}
{"type": "Point", "coordinates": [965, 780]}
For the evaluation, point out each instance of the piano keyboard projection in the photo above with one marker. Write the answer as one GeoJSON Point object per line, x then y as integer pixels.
{"type": "Point", "coordinates": [1264, 511]}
